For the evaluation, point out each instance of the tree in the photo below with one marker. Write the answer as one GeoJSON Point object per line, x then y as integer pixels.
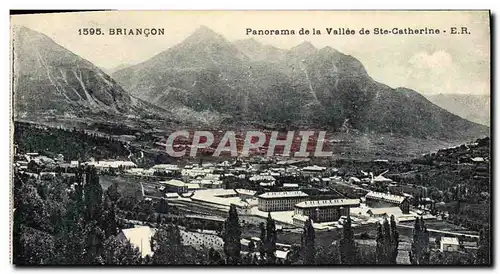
{"type": "Point", "coordinates": [231, 235]}
{"type": "Point", "coordinates": [117, 252]}
{"type": "Point", "coordinates": [483, 252]}
{"type": "Point", "coordinates": [71, 241]}
{"type": "Point", "coordinates": [92, 191]}
{"type": "Point", "coordinates": [214, 257]}
{"type": "Point", "coordinates": [347, 244]}
{"type": "Point", "coordinates": [251, 246]}
{"type": "Point", "coordinates": [94, 238]}
{"type": "Point", "coordinates": [112, 192]}
{"type": "Point", "coordinates": [366, 256]}
{"type": "Point", "coordinates": [394, 241]}
{"type": "Point", "coordinates": [271, 237]}
{"type": "Point", "coordinates": [419, 253]}
{"type": "Point", "coordinates": [450, 258]}
{"type": "Point", "coordinates": [162, 206]}
{"type": "Point", "coordinates": [35, 247]}
{"type": "Point", "coordinates": [381, 245]}
{"type": "Point", "coordinates": [387, 242]}
{"type": "Point", "coordinates": [307, 243]}
{"type": "Point", "coordinates": [327, 255]}
{"type": "Point", "coordinates": [262, 249]}
{"type": "Point", "coordinates": [109, 220]}
{"type": "Point", "coordinates": [167, 246]}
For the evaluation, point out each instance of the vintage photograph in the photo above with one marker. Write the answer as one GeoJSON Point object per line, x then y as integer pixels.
{"type": "Point", "coordinates": [251, 138]}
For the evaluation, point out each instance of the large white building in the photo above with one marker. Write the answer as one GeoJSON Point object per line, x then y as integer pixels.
{"type": "Point", "coordinates": [175, 186]}
{"type": "Point", "coordinates": [280, 201]}
{"type": "Point", "coordinates": [379, 200]}
{"type": "Point", "coordinates": [112, 164]}
{"type": "Point", "coordinates": [326, 210]}
{"type": "Point", "coordinates": [313, 170]}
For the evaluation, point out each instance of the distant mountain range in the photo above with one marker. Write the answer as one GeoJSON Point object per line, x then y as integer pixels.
{"type": "Point", "coordinates": [252, 82]}
{"type": "Point", "coordinates": [475, 108]}
{"type": "Point", "coordinates": [110, 71]}
{"type": "Point", "coordinates": [207, 79]}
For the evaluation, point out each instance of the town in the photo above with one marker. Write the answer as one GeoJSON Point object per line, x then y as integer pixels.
{"type": "Point", "coordinates": [288, 196]}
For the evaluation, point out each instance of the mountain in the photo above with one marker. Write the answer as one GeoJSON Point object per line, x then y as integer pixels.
{"type": "Point", "coordinates": [303, 49]}
{"type": "Point", "coordinates": [110, 71]}
{"type": "Point", "coordinates": [248, 82]}
{"type": "Point", "coordinates": [475, 108]}
{"type": "Point", "coordinates": [257, 51]}
{"type": "Point", "coordinates": [197, 76]}
{"type": "Point", "coordinates": [51, 80]}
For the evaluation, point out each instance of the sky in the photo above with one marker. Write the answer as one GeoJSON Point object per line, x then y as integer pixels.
{"type": "Point", "coordinates": [430, 64]}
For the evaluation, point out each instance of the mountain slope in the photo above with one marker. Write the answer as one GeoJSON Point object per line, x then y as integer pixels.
{"type": "Point", "coordinates": [475, 108]}
{"type": "Point", "coordinates": [257, 51]}
{"type": "Point", "coordinates": [51, 80]}
{"type": "Point", "coordinates": [250, 82]}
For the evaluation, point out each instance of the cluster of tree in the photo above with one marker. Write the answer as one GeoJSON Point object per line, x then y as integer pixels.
{"type": "Point", "coordinates": [345, 251]}
{"type": "Point", "coordinates": [420, 251]}
{"type": "Point", "coordinates": [387, 242]}
{"type": "Point", "coordinates": [449, 176]}
{"type": "Point", "coordinates": [422, 254]}
{"type": "Point", "coordinates": [73, 221]}
{"type": "Point", "coordinates": [231, 234]}
{"type": "Point", "coordinates": [168, 248]}
{"type": "Point", "coordinates": [483, 256]}
{"type": "Point", "coordinates": [262, 253]}
{"type": "Point", "coordinates": [71, 143]}
{"type": "Point", "coordinates": [268, 238]}
{"type": "Point", "coordinates": [114, 129]}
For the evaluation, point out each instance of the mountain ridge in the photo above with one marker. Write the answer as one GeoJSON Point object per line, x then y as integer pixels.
{"type": "Point", "coordinates": [303, 85]}
{"type": "Point", "coordinates": [475, 108]}
{"type": "Point", "coordinates": [51, 81]}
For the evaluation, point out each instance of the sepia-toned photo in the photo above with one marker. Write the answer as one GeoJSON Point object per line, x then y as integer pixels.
{"type": "Point", "coordinates": [251, 138]}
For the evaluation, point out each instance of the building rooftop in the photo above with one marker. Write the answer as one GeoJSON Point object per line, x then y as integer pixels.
{"type": "Point", "coordinates": [246, 191]}
{"type": "Point", "coordinates": [385, 196]}
{"type": "Point", "coordinates": [478, 159]}
{"type": "Point", "coordinates": [381, 178]}
{"type": "Point", "coordinates": [171, 195]}
{"type": "Point", "coordinates": [300, 217]}
{"type": "Point", "coordinates": [140, 237]}
{"type": "Point", "coordinates": [355, 179]}
{"type": "Point", "coordinates": [396, 211]}
{"type": "Point", "coordinates": [207, 182]}
{"type": "Point", "coordinates": [283, 194]}
{"type": "Point", "coordinates": [111, 164]}
{"type": "Point", "coordinates": [293, 161]}
{"type": "Point", "coordinates": [174, 183]}
{"type": "Point", "coordinates": [449, 240]}
{"type": "Point", "coordinates": [166, 167]}
{"type": "Point", "coordinates": [193, 186]}
{"type": "Point", "coordinates": [314, 168]}
{"type": "Point", "coordinates": [262, 178]}
{"type": "Point", "coordinates": [328, 203]}
{"type": "Point", "coordinates": [281, 254]}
